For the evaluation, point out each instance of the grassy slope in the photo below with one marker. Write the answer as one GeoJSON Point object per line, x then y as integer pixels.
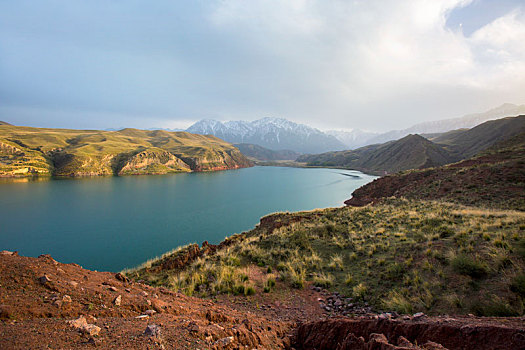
{"type": "Point", "coordinates": [93, 152]}
{"type": "Point", "coordinates": [401, 255]}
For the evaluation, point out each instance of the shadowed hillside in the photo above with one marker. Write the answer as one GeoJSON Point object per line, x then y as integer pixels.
{"type": "Point", "coordinates": [416, 152]}
{"type": "Point", "coordinates": [261, 153]}
{"type": "Point", "coordinates": [410, 152]}
{"type": "Point", "coordinates": [494, 179]}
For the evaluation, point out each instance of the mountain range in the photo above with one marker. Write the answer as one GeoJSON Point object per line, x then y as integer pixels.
{"type": "Point", "coordinates": [271, 133]}
{"type": "Point", "coordinates": [280, 134]}
{"type": "Point", "coordinates": [358, 138]}
{"type": "Point", "coordinates": [416, 152]}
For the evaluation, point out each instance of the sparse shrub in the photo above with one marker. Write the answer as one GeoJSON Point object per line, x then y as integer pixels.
{"type": "Point", "coordinates": [359, 291]}
{"type": "Point", "coordinates": [269, 269]}
{"type": "Point", "coordinates": [323, 280]}
{"type": "Point", "coordinates": [395, 271]}
{"type": "Point", "coordinates": [349, 279]}
{"type": "Point", "coordinates": [249, 290]}
{"type": "Point", "coordinates": [353, 256]}
{"type": "Point", "coordinates": [336, 262]}
{"type": "Point", "coordinates": [397, 302]}
{"type": "Point", "coordinates": [518, 284]}
{"type": "Point", "coordinates": [466, 265]}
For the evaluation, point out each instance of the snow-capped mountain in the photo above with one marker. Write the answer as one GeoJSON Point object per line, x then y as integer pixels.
{"type": "Point", "coordinates": [352, 139]}
{"type": "Point", "coordinates": [272, 133]}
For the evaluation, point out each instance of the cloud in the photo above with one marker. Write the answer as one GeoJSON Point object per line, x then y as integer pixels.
{"type": "Point", "coordinates": [369, 64]}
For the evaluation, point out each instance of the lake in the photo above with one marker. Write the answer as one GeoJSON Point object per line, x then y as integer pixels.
{"type": "Point", "coordinates": [109, 223]}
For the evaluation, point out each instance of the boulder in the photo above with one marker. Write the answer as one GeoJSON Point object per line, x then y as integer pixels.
{"type": "Point", "coordinates": [152, 330]}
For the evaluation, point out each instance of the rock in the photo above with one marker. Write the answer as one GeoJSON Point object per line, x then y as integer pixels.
{"type": "Point", "coordinates": [430, 345]}
{"type": "Point", "coordinates": [44, 280]}
{"type": "Point", "coordinates": [66, 299]}
{"type": "Point", "coordinates": [113, 289]}
{"type": "Point", "coordinates": [6, 252]}
{"type": "Point", "coordinates": [117, 300]}
{"type": "Point", "coordinates": [224, 341]}
{"type": "Point", "coordinates": [90, 329]}
{"type": "Point", "coordinates": [418, 315]}
{"type": "Point", "coordinates": [140, 317]}
{"type": "Point", "coordinates": [121, 277]}
{"type": "Point", "coordinates": [150, 312]}
{"type": "Point", "coordinates": [144, 293]}
{"type": "Point", "coordinates": [73, 284]}
{"type": "Point", "coordinates": [79, 322]}
{"type": "Point", "coordinates": [152, 330]}
{"type": "Point", "coordinates": [6, 312]}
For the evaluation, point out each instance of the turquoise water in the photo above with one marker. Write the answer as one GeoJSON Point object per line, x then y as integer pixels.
{"type": "Point", "coordinates": [109, 223]}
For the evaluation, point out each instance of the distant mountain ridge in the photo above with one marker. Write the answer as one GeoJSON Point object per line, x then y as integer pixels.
{"type": "Point", "coordinates": [416, 152]}
{"type": "Point", "coordinates": [271, 133]}
{"type": "Point", "coordinates": [265, 154]}
{"type": "Point", "coordinates": [466, 122]}
{"type": "Point", "coordinates": [410, 152]}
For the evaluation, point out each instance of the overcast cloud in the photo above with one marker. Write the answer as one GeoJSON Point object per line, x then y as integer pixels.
{"type": "Point", "coordinates": [375, 65]}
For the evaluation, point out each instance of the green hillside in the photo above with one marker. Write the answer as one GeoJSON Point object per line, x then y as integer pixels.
{"type": "Point", "coordinates": [26, 151]}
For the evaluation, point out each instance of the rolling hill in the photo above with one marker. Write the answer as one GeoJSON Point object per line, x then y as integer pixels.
{"type": "Point", "coordinates": [26, 151]}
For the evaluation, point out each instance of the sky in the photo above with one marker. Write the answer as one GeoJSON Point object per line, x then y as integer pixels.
{"type": "Point", "coordinates": [375, 65]}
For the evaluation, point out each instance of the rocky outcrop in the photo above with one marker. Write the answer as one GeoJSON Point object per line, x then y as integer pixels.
{"type": "Point", "coordinates": [154, 161]}
{"type": "Point", "coordinates": [436, 333]}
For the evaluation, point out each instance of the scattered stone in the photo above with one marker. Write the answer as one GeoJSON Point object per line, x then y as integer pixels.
{"type": "Point", "coordinates": [121, 277]}
{"type": "Point", "coordinates": [90, 329]}
{"type": "Point", "coordinates": [150, 312]}
{"type": "Point", "coordinates": [224, 341]}
{"type": "Point", "coordinates": [144, 293]}
{"type": "Point", "coordinates": [79, 322]}
{"type": "Point", "coordinates": [44, 280]}
{"type": "Point", "coordinates": [128, 290]}
{"type": "Point", "coordinates": [91, 319]}
{"type": "Point", "coordinates": [6, 252]}
{"type": "Point", "coordinates": [73, 284]}
{"type": "Point", "coordinates": [66, 299]}
{"type": "Point", "coordinates": [418, 315]}
{"type": "Point", "coordinates": [140, 317]}
{"type": "Point", "coordinates": [113, 289]}
{"type": "Point", "coordinates": [152, 330]}
{"type": "Point", "coordinates": [117, 300]}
